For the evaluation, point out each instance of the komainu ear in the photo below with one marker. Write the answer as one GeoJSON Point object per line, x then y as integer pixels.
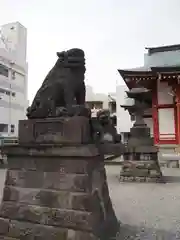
{"type": "Point", "coordinates": [61, 54]}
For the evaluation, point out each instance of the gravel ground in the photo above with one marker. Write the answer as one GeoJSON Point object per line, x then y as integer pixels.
{"type": "Point", "coordinates": [147, 211]}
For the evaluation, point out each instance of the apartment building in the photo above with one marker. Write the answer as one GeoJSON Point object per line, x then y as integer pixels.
{"type": "Point", "coordinates": [13, 78]}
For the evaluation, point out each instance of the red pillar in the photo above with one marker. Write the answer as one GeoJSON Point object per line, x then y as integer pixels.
{"type": "Point", "coordinates": [155, 114]}
{"type": "Point", "coordinates": [177, 91]}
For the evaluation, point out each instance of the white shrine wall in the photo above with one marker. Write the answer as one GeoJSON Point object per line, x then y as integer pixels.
{"type": "Point", "coordinates": [166, 112]}
{"type": "Point", "coordinates": [166, 124]}
{"type": "Point", "coordinates": [164, 93]}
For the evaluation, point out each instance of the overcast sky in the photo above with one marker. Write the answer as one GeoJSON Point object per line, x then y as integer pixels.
{"type": "Point", "coordinates": [113, 33]}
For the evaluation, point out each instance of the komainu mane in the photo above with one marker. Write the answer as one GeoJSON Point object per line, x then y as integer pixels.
{"type": "Point", "coordinates": [62, 88]}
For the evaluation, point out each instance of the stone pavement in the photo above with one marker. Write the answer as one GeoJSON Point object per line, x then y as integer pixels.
{"type": "Point", "coordinates": [147, 211]}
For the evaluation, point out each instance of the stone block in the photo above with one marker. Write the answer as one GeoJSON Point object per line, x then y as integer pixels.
{"type": "Point", "coordinates": [154, 173]}
{"type": "Point", "coordinates": [4, 226]}
{"type": "Point", "coordinates": [127, 164]}
{"type": "Point", "coordinates": [127, 173]}
{"type": "Point", "coordinates": [143, 132]}
{"type": "Point", "coordinates": [71, 235]}
{"type": "Point", "coordinates": [153, 165]}
{"type": "Point", "coordinates": [112, 149]}
{"type": "Point", "coordinates": [8, 238]}
{"type": "Point", "coordinates": [139, 141]}
{"type": "Point", "coordinates": [55, 164]}
{"type": "Point", "coordinates": [152, 150]}
{"type": "Point", "coordinates": [140, 172]}
{"type": "Point", "coordinates": [29, 231]}
{"type": "Point", "coordinates": [79, 235]}
{"type": "Point", "coordinates": [25, 179]}
{"type": "Point", "coordinates": [146, 164]}
{"type": "Point", "coordinates": [48, 198]}
{"type": "Point", "coordinates": [46, 180]}
{"type": "Point", "coordinates": [54, 199]}
{"type": "Point", "coordinates": [80, 220]}
{"type": "Point", "coordinates": [68, 130]}
{"type": "Point", "coordinates": [71, 182]}
{"type": "Point", "coordinates": [50, 150]}
{"type": "Point", "coordinates": [81, 201]}
{"type": "Point", "coordinates": [173, 164]}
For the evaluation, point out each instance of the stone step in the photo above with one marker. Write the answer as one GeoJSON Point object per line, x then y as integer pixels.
{"type": "Point", "coordinates": [48, 198]}
{"type": "Point", "coordinates": [73, 219]}
{"type": "Point", "coordinates": [15, 230]}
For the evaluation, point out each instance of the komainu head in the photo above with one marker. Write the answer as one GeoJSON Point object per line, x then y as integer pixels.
{"type": "Point", "coordinates": [72, 58]}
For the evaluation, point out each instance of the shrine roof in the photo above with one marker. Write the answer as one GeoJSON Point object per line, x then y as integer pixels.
{"type": "Point", "coordinates": [137, 73]}
{"type": "Point", "coordinates": [166, 69]}
{"type": "Point", "coordinates": [143, 76]}
{"type": "Point", "coordinates": [166, 48]}
{"type": "Point", "coordinates": [134, 70]}
{"type": "Point", "coordinates": [133, 77]}
{"type": "Point", "coordinates": [148, 71]}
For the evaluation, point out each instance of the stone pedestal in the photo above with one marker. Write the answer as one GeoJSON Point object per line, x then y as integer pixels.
{"type": "Point", "coordinates": [56, 192]}
{"type": "Point", "coordinates": [141, 166]}
{"type": "Point", "coordinates": [141, 157]}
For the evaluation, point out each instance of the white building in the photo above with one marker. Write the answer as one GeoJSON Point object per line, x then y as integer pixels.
{"type": "Point", "coordinates": [124, 122]}
{"type": "Point", "coordinates": [113, 102]}
{"type": "Point", "coordinates": [97, 101]}
{"type": "Point", "coordinates": [13, 78]}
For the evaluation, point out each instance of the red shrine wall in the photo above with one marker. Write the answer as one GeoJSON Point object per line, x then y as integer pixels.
{"type": "Point", "coordinates": [164, 114]}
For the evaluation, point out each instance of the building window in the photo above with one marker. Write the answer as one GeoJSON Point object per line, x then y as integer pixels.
{"type": "Point", "coordinates": [112, 107]}
{"type": "Point", "coordinates": [98, 105]}
{"type": "Point", "coordinates": [94, 104]}
{"type": "Point", "coordinates": [12, 128]}
{"type": "Point", "coordinates": [2, 90]}
{"type": "Point", "coordinates": [3, 128]}
{"type": "Point", "coordinates": [13, 75]}
{"type": "Point", "coordinates": [3, 70]}
{"type": "Point", "coordinates": [7, 92]}
{"type": "Point", "coordinates": [114, 120]}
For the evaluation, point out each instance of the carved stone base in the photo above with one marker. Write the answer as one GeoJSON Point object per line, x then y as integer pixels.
{"type": "Point", "coordinates": [56, 193]}
{"type": "Point", "coordinates": [63, 130]}
{"type": "Point", "coordinates": [146, 169]}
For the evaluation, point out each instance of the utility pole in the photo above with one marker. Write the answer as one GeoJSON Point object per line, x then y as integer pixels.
{"type": "Point", "coordinates": [10, 79]}
{"type": "Point", "coordinates": [11, 63]}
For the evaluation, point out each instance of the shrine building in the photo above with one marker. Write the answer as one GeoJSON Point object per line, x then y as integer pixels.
{"type": "Point", "coordinates": [160, 74]}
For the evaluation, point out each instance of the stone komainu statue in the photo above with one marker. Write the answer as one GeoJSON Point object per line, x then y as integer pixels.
{"type": "Point", "coordinates": [105, 127]}
{"type": "Point", "coordinates": [62, 88]}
